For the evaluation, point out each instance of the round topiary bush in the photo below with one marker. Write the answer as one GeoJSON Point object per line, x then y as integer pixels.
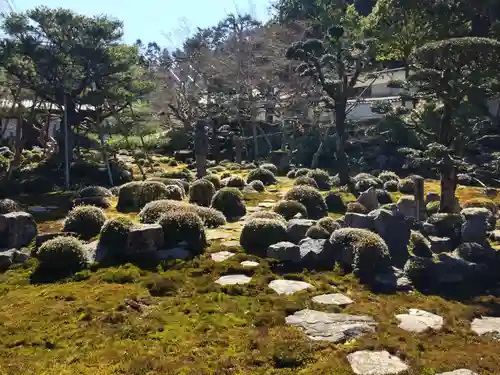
{"type": "Point", "coordinates": [94, 191]}
{"type": "Point", "coordinates": [310, 198]}
{"type": "Point", "coordinates": [236, 182]}
{"type": "Point", "coordinates": [184, 185]}
{"type": "Point", "coordinates": [357, 208]}
{"type": "Point", "coordinates": [258, 234]}
{"type": "Point", "coordinates": [329, 224]}
{"type": "Point", "coordinates": [62, 255]}
{"type": "Point", "coordinates": [301, 172]}
{"type": "Point", "coordinates": [385, 176]}
{"type": "Point", "coordinates": [114, 236]}
{"type": "Point", "coordinates": [266, 215]}
{"type": "Point", "coordinates": [257, 185]}
{"type": "Point", "coordinates": [362, 176]}
{"type": "Point", "coordinates": [214, 179]}
{"type": "Point", "coordinates": [305, 181]}
{"type": "Point", "coordinates": [481, 203]}
{"type": "Point", "coordinates": [183, 226]}
{"type": "Point", "coordinates": [201, 192]}
{"type": "Point", "coordinates": [335, 203]}
{"type": "Point", "coordinates": [135, 195]}
{"type": "Point", "coordinates": [363, 251]}
{"type": "Point", "coordinates": [230, 202]}
{"type": "Point", "coordinates": [270, 167]}
{"type": "Point", "coordinates": [86, 221]}
{"type": "Point", "coordinates": [364, 185]}
{"type": "Point", "coordinates": [317, 233]}
{"type": "Point", "coordinates": [321, 177]}
{"type": "Point", "coordinates": [261, 174]}
{"type": "Point", "coordinates": [292, 174]}
{"type": "Point", "coordinates": [406, 186]}
{"type": "Point", "coordinates": [180, 174]}
{"type": "Point", "coordinates": [8, 206]}
{"type": "Point", "coordinates": [383, 196]}
{"type": "Point", "coordinates": [391, 186]}
{"type": "Point", "coordinates": [288, 209]}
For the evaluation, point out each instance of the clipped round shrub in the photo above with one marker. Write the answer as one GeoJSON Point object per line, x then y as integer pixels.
{"type": "Point", "coordinates": [135, 195]}
{"type": "Point", "coordinates": [357, 208]}
{"type": "Point", "coordinates": [270, 167]}
{"type": "Point", "coordinates": [37, 185]}
{"type": "Point", "coordinates": [258, 234]}
{"type": "Point", "coordinates": [172, 181]}
{"type": "Point", "coordinates": [85, 221]}
{"type": "Point", "coordinates": [432, 207]}
{"type": "Point", "coordinates": [317, 233]}
{"type": "Point", "coordinates": [321, 177]}
{"type": "Point", "coordinates": [174, 192]}
{"type": "Point", "coordinates": [62, 255]}
{"type": "Point", "coordinates": [8, 206]}
{"type": "Point", "coordinates": [364, 185]}
{"type": "Point", "coordinates": [419, 245]}
{"type": "Point", "coordinates": [291, 174]}
{"type": "Point", "coordinates": [101, 202]}
{"type": "Point", "coordinates": [173, 163]}
{"type": "Point", "coordinates": [214, 179]}
{"type": "Point", "coordinates": [310, 198]}
{"type": "Point", "coordinates": [236, 182]}
{"type": "Point", "coordinates": [301, 172]}
{"type": "Point", "coordinates": [363, 176]}
{"type": "Point", "coordinates": [305, 181]}
{"type": "Point", "coordinates": [363, 251]}
{"type": "Point", "coordinates": [329, 224]}
{"type": "Point", "coordinates": [94, 191]}
{"type": "Point", "coordinates": [230, 202]}
{"type": "Point", "coordinates": [406, 186]}
{"type": "Point", "coordinates": [201, 192]}
{"type": "Point", "coordinates": [385, 176]}
{"type": "Point", "coordinates": [481, 203]}
{"type": "Point", "coordinates": [261, 174]}
{"type": "Point", "coordinates": [180, 226]}
{"type": "Point", "coordinates": [383, 196]}
{"type": "Point", "coordinates": [421, 271]}
{"type": "Point", "coordinates": [266, 215]}
{"type": "Point", "coordinates": [180, 174]}
{"type": "Point", "coordinates": [391, 186]}
{"type": "Point", "coordinates": [335, 203]}
{"type": "Point", "coordinates": [257, 185]}
{"type": "Point", "coordinates": [288, 209]}
{"type": "Point", "coordinates": [114, 234]}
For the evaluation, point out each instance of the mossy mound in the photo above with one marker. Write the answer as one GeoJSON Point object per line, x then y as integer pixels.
{"type": "Point", "coordinates": [305, 181]}
{"type": "Point", "coordinates": [335, 203]}
{"type": "Point", "coordinates": [321, 177]}
{"type": "Point", "coordinates": [236, 182]}
{"type": "Point", "coordinates": [230, 202]}
{"type": "Point", "coordinates": [258, 234]}
{"type": "Point", "coordinates": [310, 198]}
{"type": "Point", "coordinates": [183, 226]}
{"type": "Point", "coordinates": [266, 176]}
{"type": "Point", "coordinates": [62, 255]}
{"type": "Point", "coordinates": [481, 203]}
{"type": "Point", "coordinates": [214, 179]}
{"type": "Point", "coordinates": [8, 206]}
{"type": "Point", "coordinates": [86, 221]}
{"type": "Point", "coordinates": [201, 192]}
{"type": "Point", "coordinates": [135, 195]}
{"type": "Point", "coordinates": [357, 208]}
{"type": "Point", "coordinates": [288, 209]}
{"type": "Point", "coordinates": [114, 236]}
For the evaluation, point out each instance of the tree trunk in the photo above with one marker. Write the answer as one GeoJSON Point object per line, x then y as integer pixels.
{"type": "Point", "coordinates": [449, 182]}
{"type": "Point", "coordinates": [340, 119]}
{"type": "Point", "coordinates": [319, 151]}
{"type": "Point", "coordinates": [18, 147]}
{"type": "Point", "coordinates": [255, 141]}
{"type": "Point", "coordinates": [104, 152]}
{"type": "Point", "coordinates": [215, 140]}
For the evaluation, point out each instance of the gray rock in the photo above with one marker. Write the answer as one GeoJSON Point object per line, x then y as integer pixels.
{"type": "Point", "coordinates": [419, 321]}
{"type": "Point", "coordinates": [495, 235]}
{"type": "Point", "coordinates": [459, 372]}
{"type": "Point", "coordinates": [486, 325]}
{"type": "Point", "coordinates": [369, 199]}
{"type": "Point", "coordinates": [221, 256]}
{"type": "Point", "coordinates": [314, 252]}
{"type": "Point", "coordinates": [288, 287]}
{"type": "Point", "coordinates": [475, 224]}
{"type": "Point", "coordinates": [174, 253]}
{"type": "Point", "coordinates": [12, 256]}
{"type": "Point", "coordinates": [331, 327]}
{"type": "Point", "coordinates": [453, 270]}
{"type": "Point", "coordinates": [445, 225]}
{"type": "Point", "coordinates": [440, 244]}
{"type": "Point", "coordinates": [333, 299]}
{"type": "Point", "coordinates": [233, 280]}
{"type": "Point", "coordinates": [145, 238]}
{"type": "Point", "coordinates": [432, 197]}
{"type": "Point", "coordinates": [367, 362]}
{"type": "Point", "coordinates": [249, 263]}
{"type": "Point", "coordinates": [42, 209]}
{"type": "Point", "coordinates": [230, 245]}
{"type": "Point", "coordinates": [407, 206]}
{"type": "Point", "coordinates": [393, 281]}
{"type": "Point", "coordinates": [17, 229]}
{"type": "Point", "coordinates": [477, 253]}
{"type": "Point", "coordinates": [285, 252]}
{"type": "Point", "coordinates": [361, 221]}
{"type": "Point", "coordinates": [297, 229]}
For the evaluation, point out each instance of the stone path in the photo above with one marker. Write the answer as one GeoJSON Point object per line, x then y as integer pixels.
{"type": "Point", "coordinates": [486, 325]}
{"type": "Point", "coordinates": [331, 327]}
{"type": "Point", "coordinates": [230, 244]}
{"type": "Point", "coordinates": [221, 256]}
{"type": "Point", "coordinates": [333, 299]}
{"type": "Point", "coordinates": [233, 280]}
{"type": "Point", "coordinates": [366, 362]}
{"type": "Point", "coordinates": [419, 321]}
{"type": "Point", "coordinates": [459, 372]}
{"type": "Point", "coordinates": [288, 287]}
{"type": "Point", "coordinates": [249, 263]}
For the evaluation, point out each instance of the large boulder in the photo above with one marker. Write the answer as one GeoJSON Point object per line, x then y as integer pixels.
{"type": "Point", "coordinates": [12, 256]}
{"type": "Point", "coordinates": [297, 229]}
{"type": "Point", "coordinates": [145, 238]}
{"type": "Point", "coordinates": [475, 224]}
{"type": "Point", "coordinates": [17, 229]}
{"type": "Point", "coordinates": [445, 225]}
{"type": "Point", "coordinates": [369, 199]}
{"type": "Point", "coordinates": [284, 251]}
{"type": "Point", "coordinates": [361, 221]}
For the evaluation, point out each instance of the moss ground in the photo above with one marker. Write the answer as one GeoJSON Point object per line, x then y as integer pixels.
{"type": "Point", "coordinates": [176, 320]}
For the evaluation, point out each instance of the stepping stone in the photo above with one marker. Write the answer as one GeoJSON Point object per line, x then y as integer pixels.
{"type": "Point", "coordinates": [266, 204]}
{"type": "Point", "coordinates": [288, 287]}
{"type": "Point", "coordinates": [175, 253]}
{"type": "Point", "coordinates": [486, 325]}
{"type": "Point", "coordinates": [331, 327]}
{"type": "Point", "coordinates": [230, 244]}
{"type": "Point", "coordinates": [419, 321]}
{"type": "Point", "coordinates": [249, 263]}
{"type": "Point", "coordinates": [459, 372]}
{"type": "Point", "coordinates": [333, 299]}
{"type": "Point", "coordinates": [254, 209]}
{"type": "Point", "coordinates": [215, 235]}
{"type": "Point", "coordinates": [221, 256]}
{"type": "Point", "coordinates": [42, 209]}
{"type": "Point", "coordinates": [366, 362]}
{"type": "Point", "coordinates": [233, 280]}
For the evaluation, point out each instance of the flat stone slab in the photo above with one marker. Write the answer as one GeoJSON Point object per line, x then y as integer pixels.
{"type": "Point", "coordinates": [230, 244]}
{"type": "Point", "coordinates": [249, 263]}
{"type": "Point", "coordinates": [233, 280]}
{"type": "Point", "coordinates": [217, 235]}
{"type": "Point", "coordinates": [331, 327]}
{"type": "Point", "coordinates": [333, 299]}
{"type": "Point", "coordinates": [459, 372]}
{"type": "Point", "coordinates": [419, 321]}
{"type": "Point", "coordinates": [266, 204]}
{"type": "Point", "coordinates": [288, 287]}
{"type": "Point", "coordinates": [366, 362]}
{"type": "Point", "coordinates": [221, 256]}
{"type": "Point", "coordinates": [486, 325]}
{"type": "Point", "coordinates": [42, 209]}
{"type": "Point", "coordinates": [175, 253]}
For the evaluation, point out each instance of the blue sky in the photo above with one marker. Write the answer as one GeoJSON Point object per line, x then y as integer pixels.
{"type": "Point", "coordinates": [149, 20]}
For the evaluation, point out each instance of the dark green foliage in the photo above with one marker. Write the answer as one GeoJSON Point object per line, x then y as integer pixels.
{"type": "Point", "coordinates": [288, 209]}
{"type": "Point", "coordinates": [335, 203]}
{"type": "Point", "coordinates": [236, 182]}
{"type": "Point", "coordinates": [391, 186]}
{"type": "Point", "coordinates": [266, 215]}
{"type": "Point", "coordinates": [180, 226]}
{"type": "Point", "coordinates": [301, 172]}
{"type": "Point", "coordinates": [383, 196]}
{"type": "Point", "coordinates": [180, 174]}
{"type": "Point", "coordinates": [184, 185]}
{"type": "Point", "coordinates": [114, 236]}
{"type": "Point", "coordinates": [432, 207]}
{"type": "Point", "coordinates": [201, 192]}
{"type": "Point", "coordinates": [266, 176]}
{"type": "Point", "coordinates": [94, 191]}
{"type": "Point", "coordinates": [385, 176]}
{"type": "Point", "coordinates": [214, 179]}
{"type": "Point", "coordinates": [8, 205]}
{"type": "Point", "coordinates": [321, 177]}
{"type": "Point", "coordinates": [357, 208]}
{"type": "Point", "coordinates": [317, 232]}
{"type": "Point", "coordinates": [136, 195]}
{"type": "Point", "coordinates": [292, 174]}
{"type": "Point", "coordinates": [365, 184]}
{"type": "Point", "coordinates": [258, 234]}
{"type": "Point", "coordinates": [86, 221]}
{"type": "Point", "coordinates": [270, 167]}
{"type": "Point", "coordinates": [310, 198]}
{"type": "Point", "coordinates": [406, 186]}
{"type": "Point", "coordinates": [421, 271]}
{"type": "Point", "coordinates": [329, 224]}
{"type": "Point", "coordinates": [230, 202]}
{"type": "Point", "coordinates": [257, 185]}
{"type": "Point", "coordinates": [37, 185]}
{"type": "Point", "coordinates": [173, 163]}
{"type": "Point", "coordinates": [62, 255]}
{"type": "Point", "coordinates": [307, 181]}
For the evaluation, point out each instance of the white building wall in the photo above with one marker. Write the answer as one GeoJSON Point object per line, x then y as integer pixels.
{"type": "Point", "coordinates": [11, 126]}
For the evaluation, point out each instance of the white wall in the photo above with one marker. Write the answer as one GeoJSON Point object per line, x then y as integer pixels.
{"type": "Point", "coordinates": [11, 124]}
